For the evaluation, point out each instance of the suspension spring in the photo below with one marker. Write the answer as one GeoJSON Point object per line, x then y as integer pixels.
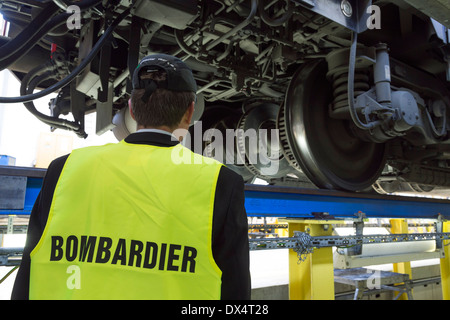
{"type": "Point", "coordinates": [340, 94]}
{"type": "Point", "coordinates": [338, 70]}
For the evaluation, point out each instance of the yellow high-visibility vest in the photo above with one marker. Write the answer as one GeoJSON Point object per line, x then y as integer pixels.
{"type": "Point", "coordinates": [129, 221]}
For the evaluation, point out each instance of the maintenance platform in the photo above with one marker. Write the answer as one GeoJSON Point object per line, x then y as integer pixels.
{"type": "Point", "coordinates": [311, 255]}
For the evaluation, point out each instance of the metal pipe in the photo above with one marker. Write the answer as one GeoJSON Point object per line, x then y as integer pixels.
{"type": "Point", "coordinates": [230, 46]}
{"type": "Point", "coordinates": [75, 72]}
{"type": "Point", "coordinates": [212, 83]}
{"type": "Point", "coordinates": [240, 26]}
{"type": "Point", "coordinates": [28, 88]}
{"type": "Point", "coordinates": [23, 38]}
{"type": "Point", "coordinates": [19, 51]}
{"type": "Point", "coordinates": [179, 37]}
{"type": "Point", "coordinates": [61, 4]}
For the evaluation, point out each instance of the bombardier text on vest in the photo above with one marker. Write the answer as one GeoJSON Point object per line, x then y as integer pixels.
{"type": "Point", "coordinates": [164, 244]}
{"type": "Point", "coordinates": [134, 253]}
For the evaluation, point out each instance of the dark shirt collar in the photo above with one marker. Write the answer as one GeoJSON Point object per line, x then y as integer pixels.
{"type": "Point", "coordinates": [151, 138]}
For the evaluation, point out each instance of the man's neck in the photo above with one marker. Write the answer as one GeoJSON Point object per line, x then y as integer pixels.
{"type": "Point", "coordinates": [161, 128]}
{"type": "Point", "coordinates": [158, 130]}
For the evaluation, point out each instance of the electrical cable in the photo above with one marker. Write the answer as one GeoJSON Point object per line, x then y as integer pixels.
{"type": "Point", "coordinates": [233, 31]}
{"type": "Point", "coordinates": [54, 122]}
{"type": "Point", "coordinates": [22, 39]}
{"type": "Point", "coordinates": [16, 48]}
{"type": "Point", "coordinates": [275, 22]}
{"type": "Point", "coordinates": [443, 131]}
{"type": "Point", "coordinates": [31, 80]}
{"type": "Point", "coordinates": [55, 22]}
{"type": "Point", "coordinates": [103, 39]}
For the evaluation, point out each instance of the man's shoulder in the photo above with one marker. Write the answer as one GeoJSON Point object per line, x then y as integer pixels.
{"type": "Point", "coordinates": [230, 173]}
{"type": "Point", "coordinates": [61, 159]}
{"type": "Point", "coordinates": [229, 178]}
{"type": "Point", "coordinates": [57, 165]}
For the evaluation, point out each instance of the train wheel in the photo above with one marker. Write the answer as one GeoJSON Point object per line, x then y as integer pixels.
{"type": "Point", "coordinates": [326, 149]}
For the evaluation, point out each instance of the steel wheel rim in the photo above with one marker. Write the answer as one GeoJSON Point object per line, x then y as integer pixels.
{"type": "Point", "coordinates": [325, 148]}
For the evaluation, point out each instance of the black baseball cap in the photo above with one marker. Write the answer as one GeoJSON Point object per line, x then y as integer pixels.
{"type": "Point", "coordinates": [179, 75]}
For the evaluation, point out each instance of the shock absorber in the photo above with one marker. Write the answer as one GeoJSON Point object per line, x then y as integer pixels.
{"type": "Point", "coordinates": [388, 113]}
{"type": "Point", "coordinates": [382, 76]}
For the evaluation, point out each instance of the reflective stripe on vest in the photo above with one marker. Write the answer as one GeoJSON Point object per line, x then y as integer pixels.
{"type": "Point", "coordinates": [129, 221]}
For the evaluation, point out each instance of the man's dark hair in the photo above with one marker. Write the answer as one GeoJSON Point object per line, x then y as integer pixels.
{"type": "Point", "coordinates": [164, 107]}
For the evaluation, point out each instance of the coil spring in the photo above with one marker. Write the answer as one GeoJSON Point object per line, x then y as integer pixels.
{"type": "Point", "coordinates": [340, 90]}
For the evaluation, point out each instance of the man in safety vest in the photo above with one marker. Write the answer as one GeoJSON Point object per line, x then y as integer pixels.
{"type": "Point", "coordinates": [128, 221]}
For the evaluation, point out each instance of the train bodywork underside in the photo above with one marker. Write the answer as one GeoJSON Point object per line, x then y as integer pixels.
{"type": "Point", "coordinates": [348, 95]}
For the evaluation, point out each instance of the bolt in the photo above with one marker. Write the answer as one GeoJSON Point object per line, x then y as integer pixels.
{"type": "Point", "coordinates": [346, 8]}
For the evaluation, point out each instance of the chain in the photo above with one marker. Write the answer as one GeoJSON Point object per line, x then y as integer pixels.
{"type": "Point", "coordinates": [303, 246]}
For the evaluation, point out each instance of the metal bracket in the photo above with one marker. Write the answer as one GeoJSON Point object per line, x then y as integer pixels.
{"type": "Point", "coordinates": [349, 13]}
{"type": "Point", "coordinates": [359, 228]}
{"type": "Point", "coordinates": [10, 256]}
{"type": "Point", "coordinates": [439, 227]}
{"type": "Point", "coordinates": [105, 113]}
{"type": "Point", "coordinates": [304, 244]}
{"type": "Point", "coordinates": [77, 107]}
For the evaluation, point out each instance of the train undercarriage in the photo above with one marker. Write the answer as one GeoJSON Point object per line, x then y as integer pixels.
{"type": "Point", "coordinates": [356, 93]}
